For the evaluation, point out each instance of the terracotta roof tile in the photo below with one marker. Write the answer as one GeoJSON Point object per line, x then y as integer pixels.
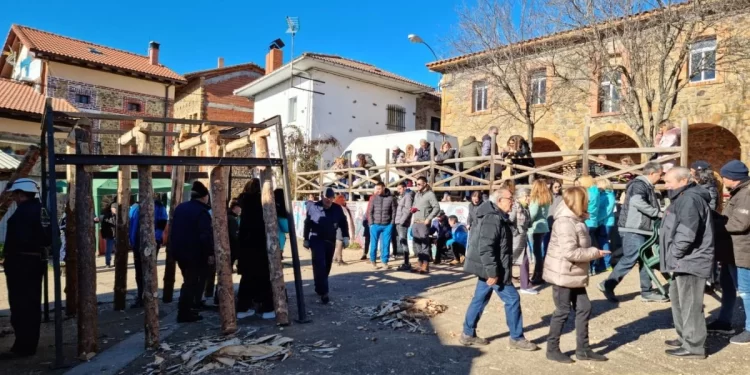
{"type": "Point", "coordinates": [227, 69]}
{"type": "Point", "coordinates": [359, 65]}
{"type": "Point", "coordinates": [61, 46]}
{"type": "Point", "coordinates": [20, 97]}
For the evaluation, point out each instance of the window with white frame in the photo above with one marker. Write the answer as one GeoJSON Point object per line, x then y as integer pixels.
{"type": "Point", "coordinates": [538, 89]}
{"type": "Point", "coordinates": [479, 96]}
{"type": "Point", "coordinates": [292, 109]}
{"type": "Point", "coordinates": [703, 60]}
{"type": "Point", "coordinates": [609, 93]}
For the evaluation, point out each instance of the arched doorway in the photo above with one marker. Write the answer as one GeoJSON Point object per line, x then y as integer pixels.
{"type": "Point", "coordinates": [613, 139]}
{"type": "Point", "coordinates": [545, 145]}
{"type": "Point", "coordinates": [712, 143]}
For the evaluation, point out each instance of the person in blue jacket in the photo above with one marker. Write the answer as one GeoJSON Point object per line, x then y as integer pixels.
{"type": "Point", "coordinates": [606, 218]}
{"type": "Point", "coordinates": [322, 221]}
{"type": "Point", "coordinates": [592, 222]}
{"type": "Point", "coordinates": [458, 241]}
{"type": "Point", "coordinates": [160, 223]}
{"type": "Point", "coordinates": [442, 232]}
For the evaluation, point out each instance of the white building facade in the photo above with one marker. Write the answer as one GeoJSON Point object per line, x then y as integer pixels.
{"type": "Point", "coordinates": [333, 96]}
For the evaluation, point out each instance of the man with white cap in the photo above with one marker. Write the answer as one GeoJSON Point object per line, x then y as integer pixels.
{"type": "Point", "coordinates": [397, 155]}
{"type": "Point", "coordinates": [322, 221]}
{"type": "Point", "coordinates": [24, 246]}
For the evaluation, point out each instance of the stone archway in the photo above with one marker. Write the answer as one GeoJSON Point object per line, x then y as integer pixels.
{"type": "Point", "coordinates": [542, 144]}
{"type": "Point", "coordinates": [712, 143]}
{"type": "Point", "coordinates": [613, 139]}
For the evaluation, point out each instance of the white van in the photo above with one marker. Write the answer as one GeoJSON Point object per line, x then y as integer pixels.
{"type": "Point", "coordinates": [377, 144]}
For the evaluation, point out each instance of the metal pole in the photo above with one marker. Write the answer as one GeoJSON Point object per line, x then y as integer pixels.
{"type": "Point", "coordinates": [52, 209]}
{"type": "Point", "coordinates": [298, 290]}
{"type": "Point", "coordinates": [45, 256]}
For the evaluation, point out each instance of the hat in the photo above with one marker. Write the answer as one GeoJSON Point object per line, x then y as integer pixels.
{"type": "Point", "coordinates": [734, 170]}
{"type": "Point", "coordinates": [198, 190]}
{"type": "Point", "coordinates": [328, 193]}
{"type": "Point", "coordinates": [24, 184]}
{"type": "Point", "coordinates": [700, 165]}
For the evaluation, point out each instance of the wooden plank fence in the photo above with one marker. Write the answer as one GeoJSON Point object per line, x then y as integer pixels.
{"type": "Point", "coordinates": [445, 177]}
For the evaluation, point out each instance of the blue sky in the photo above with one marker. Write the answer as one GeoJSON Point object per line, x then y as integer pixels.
{"type": "Point", "coordinates": [193, 34]}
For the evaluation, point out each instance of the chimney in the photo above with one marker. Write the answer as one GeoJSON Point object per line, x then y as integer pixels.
{"type": "Point", "coordinates": [274, 59]}
{"type": "Point", "coordinates": [153, 53]}
{"type": "Point", "coordinates": [221, 62]}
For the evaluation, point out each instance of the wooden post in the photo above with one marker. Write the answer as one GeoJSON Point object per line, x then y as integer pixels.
{"type": "Point", "coordinates": [585, 160]}
{"type": "Point", "coordinates": [350, 180]}
{"type": "Point", "coordinates": [147, 247]}
{"type": "Point", "coordinates": [387, 173]}
{"type": "Point", "coordinates": [123, 242]}
{"type": "Point", "coordinates": [493, 151]}
{"type": "Point", "coordinates": [71, 244]}
{"type": "Point", "coordinates": [684, 143]}
{"type": "Point", "coordinates": [88, 331]}
{"type": "Point", "coordinates": [270, 218]}
{"type": "Point", "coordinates": [432, 164]}
{"type": "Point", "coordinates": [178, 181]}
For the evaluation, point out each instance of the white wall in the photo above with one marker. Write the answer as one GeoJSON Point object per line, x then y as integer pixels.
{"type": "Point", "coordinates": [345, 108]}
{"type": "Point", "coordinates": [351, 109]}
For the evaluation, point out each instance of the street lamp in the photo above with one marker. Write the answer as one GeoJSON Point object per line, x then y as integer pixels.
{"type": "Point", "coordinates": [414, 38]}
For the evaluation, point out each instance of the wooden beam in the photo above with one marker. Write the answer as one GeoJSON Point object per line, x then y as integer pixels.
{"type": "Point", "coordinates": [131, 135]}
{"type": "Point", "coordinates": [684, 143]}
{"type": "Point", "coordinates": [270, 218]}
{"type": "Point", "coordinates": [71, 244]}
{"type": "Point", "coordinates": [23, 170]}
{"type": "Point", "coordinates": [196, 141]}
{"type": "Point", "coordinates": [88, 327]}
{"type": "Point", "coordinates": [178, 180]}
{"type": "Point", "coordinates": [586, 140]}
{"type": "Point", "coordinates": [246, 141]}
{"type": "Point", "coordinates": [122, 250]}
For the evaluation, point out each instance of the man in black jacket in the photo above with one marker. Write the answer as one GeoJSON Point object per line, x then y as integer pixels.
{"type": "Point", "coordinates": [192, 246]}
{"type": "Point", "coordinates": [490, 258]}
{"type": "Point", "coordinates": [686, 246]}
{"type": "Point", "coordinates": [322, 221]}
{"type": "Point", "coordinates": [382, 216]}
{"type": "Point", "coordinates": [24, 246]}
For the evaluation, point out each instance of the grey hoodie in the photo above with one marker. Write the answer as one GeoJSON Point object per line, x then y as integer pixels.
{"type": "Point", "coordinates": [427, 206]}
{"type": "Point", "coordinates": [640, 209]}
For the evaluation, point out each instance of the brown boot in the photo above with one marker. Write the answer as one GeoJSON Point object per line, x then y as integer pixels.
{"type": "Point", "coordinates": [425, 267]}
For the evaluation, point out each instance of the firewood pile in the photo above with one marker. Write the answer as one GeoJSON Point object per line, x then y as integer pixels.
{"type": "Point", "coordinates": [209, 354]}
{"type": "Point", "coordinates": [406, 313]}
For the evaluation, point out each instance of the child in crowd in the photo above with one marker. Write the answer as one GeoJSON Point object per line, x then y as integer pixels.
{"type": "Point", "coordinates": [442, 232]}
{"type": "Point", "coordinates": [458, 241]}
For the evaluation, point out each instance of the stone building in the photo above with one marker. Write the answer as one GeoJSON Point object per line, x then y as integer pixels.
{"type": "Point", "coordinates": [714, 104]}
{"type": "Point", "coordinates": [428, 111]}
{"type": "Point", "coordinates": [208, 95]}
{"type": "Point", "coordinates": [93, 78]}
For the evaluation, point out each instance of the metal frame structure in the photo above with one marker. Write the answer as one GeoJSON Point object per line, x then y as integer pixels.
{"type": "Point", "coordinates": [49, 192]}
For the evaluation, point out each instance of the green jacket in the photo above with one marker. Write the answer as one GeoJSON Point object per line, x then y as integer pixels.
{"type": "Point", "coordinates": [470, 148]}
{"type": "Point", "coordinates": [539, 218]}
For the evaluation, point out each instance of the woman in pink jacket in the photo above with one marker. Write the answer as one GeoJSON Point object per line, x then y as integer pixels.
{"type": "Point", "coordinates": [566, 268]}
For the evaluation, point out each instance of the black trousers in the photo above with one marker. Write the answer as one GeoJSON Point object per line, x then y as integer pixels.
{"type": "Point", "coordinates": [191, 287]}
{"type": "Point", "coordinates": [458, 250]}
{"type": "Point", "coordinates": [440, 249]}
{"type": "Point", "coordinates": [564, 299]}
{"type": "Point", "coordinates": [23, 275]}
{"type": "Point", "coordinates": [366, 249]}
{"type": "Point", "coordinates": [139, 269]}
{"type": "Point", "coordinates": [255, 290]}
{"type": "Point", "coordinates": [403, 242]}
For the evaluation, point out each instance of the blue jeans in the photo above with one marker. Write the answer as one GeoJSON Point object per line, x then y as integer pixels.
{"type": "Point", "coordinates": [734, 281]}
{"type": "Point", "coordinates": [109, 250]}
{"type": "Point", "coordinates": [511, 299]}
{"type": "Point", "coordinates": [539, 249]}
{"type": "Point", "coordinates": [631, 243]}
{"type": "Point", "coordinates": [380, 233]}
{"type": "Point", "coordinates": [322, 259]}
{"type": "Point", "coordinates": [602, 238]}
{"type": "Point", "coordinates": [593, 234]}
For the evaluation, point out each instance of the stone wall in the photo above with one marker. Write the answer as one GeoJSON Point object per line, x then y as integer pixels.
{"type": "Point", "coordinates": [721, 103]}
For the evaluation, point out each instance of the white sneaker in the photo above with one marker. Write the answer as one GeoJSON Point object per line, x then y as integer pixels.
{"type": "Point", "coordinates": [268, 315]}
{"type": "Point", "coordinates": [529, 291]}
{"type": "Point", "coordinates": [245, 314]}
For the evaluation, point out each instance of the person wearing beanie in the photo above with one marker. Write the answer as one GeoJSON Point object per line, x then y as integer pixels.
{"type": "Point", "coordinates": [733, 251]}
{"type": "Point", "coordinates": [322, 222]}
{"type": "Point", "coordinates": [192, 247]}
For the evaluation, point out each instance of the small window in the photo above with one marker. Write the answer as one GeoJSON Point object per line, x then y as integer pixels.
{"type": "Point", "coordinates": [83, 99]}
{"type": "Point", "coordinates": [609, 93]}
{"type": "Point", "coordinates": [479, 96]}
{"type": "Point", "coordinates": [134, 107]}
{"type": "Point", "coordinates": [538, 89]}
{"type": "Point", "coordinates": [396, 118]}
{"type": "Point", "coordinates": [703, 60]}
{"type": "Point", "coordinates": [293, 109]}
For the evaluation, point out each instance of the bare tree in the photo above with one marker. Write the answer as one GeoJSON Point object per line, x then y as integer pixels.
{"type": "Point", "coordinates": [641, 54]}
{"type": "Point", "coordinates": [510, 75]}
{"type": "Point", "coordinates": [303, 154]}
